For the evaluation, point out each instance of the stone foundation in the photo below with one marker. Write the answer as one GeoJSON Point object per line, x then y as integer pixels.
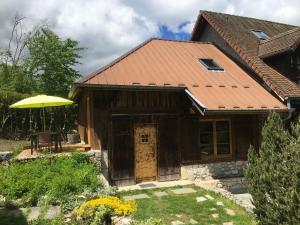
{"type": "Point", "coordinates": [207, 171]}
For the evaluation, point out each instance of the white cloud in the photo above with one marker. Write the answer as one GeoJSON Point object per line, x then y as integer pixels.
{"type": "Point", "coordinates": [108, 28]}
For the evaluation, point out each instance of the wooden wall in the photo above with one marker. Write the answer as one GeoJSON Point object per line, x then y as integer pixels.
{"type": "Point", "coordinates": [113, 114]}
{"type": "Point", "coordinates": [245, 131]}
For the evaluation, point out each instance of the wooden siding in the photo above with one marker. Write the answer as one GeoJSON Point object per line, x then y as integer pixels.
{"type": "Point", "coordinates": [115, 113]}
{"type": "Point", "coordinates": [169, 161]}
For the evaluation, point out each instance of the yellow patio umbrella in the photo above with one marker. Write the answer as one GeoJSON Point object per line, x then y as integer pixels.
{"type": "Point", "coordinates": [41, 101]}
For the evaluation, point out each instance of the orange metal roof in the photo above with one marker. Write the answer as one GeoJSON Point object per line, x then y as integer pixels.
{"type": "Point", "coordinates": [168, 63]}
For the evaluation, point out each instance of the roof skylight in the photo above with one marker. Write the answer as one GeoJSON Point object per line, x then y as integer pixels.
{"type": "Point", "coordinates": [260, 34]}
{"type": "Point", "coordinates": [210, 64]}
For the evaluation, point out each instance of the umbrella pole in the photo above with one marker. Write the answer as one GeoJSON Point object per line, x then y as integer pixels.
{"type": "Point", "coordinates": [44, 118]}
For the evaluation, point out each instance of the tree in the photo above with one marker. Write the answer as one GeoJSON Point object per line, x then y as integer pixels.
{"type": "Point", "coordinates": [273, 174]}
{"type": "Point", "coordinates": [51, 62]}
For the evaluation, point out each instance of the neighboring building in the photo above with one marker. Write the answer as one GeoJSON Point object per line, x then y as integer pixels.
{"type": "Point", "coordinates": [269, 51]}
{"type": "Point", "coordinates": [171, 109]}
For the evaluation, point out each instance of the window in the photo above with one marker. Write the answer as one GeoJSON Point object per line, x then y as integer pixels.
{"type": "Point", "coordinates": [214, 138]}
{"type": "Point", "coordinates": [206, 138]}
{"type": "Point", "coordinates": [260, 34]}
{"type": "Point", "coordinates": [210, 64]}
{"type": "Point", "coordinates": [295, 61]}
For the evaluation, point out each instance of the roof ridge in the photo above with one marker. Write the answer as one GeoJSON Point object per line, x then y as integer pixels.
{"type": "Point", "coordinates": [281, 35]}
{"type": "Point", "coordinates": [184, 41]}
{"type": "Point", "coordinates": [246, 17]}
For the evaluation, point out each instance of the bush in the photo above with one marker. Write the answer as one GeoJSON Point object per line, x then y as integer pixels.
{"type": "Point", "coordinates": [56, 178]}
{"type": "Point", "coordinates": [273, 174]}
{"type": "Point", "coordinates": [101, 209]}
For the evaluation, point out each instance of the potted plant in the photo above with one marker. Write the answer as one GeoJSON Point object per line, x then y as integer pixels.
{"type": "Point", "coordinates": [73, 137]}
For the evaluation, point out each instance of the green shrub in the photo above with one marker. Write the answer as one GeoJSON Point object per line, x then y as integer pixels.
{"type": "Point", "coordinates": [56, 178]}
{"type": "Point", "coordinates": [273, 174]}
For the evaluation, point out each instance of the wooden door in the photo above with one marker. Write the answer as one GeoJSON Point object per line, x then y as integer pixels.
{"type": "Point", "coordinates": [145, 152]}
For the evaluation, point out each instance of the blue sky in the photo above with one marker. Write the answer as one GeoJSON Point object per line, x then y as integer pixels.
{"type": "Point", "coordinates": [167, 33]}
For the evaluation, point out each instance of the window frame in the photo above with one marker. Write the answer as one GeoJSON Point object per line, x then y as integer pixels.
{"type": "Point", "coordinates": [215, 154]}
{"type": "Point", "coordinates": [256, 32]}
{"type": "Point", "coordinates": [215, 68]}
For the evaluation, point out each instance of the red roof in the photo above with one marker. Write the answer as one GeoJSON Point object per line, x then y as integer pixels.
{"type": "Point", "coordinates": [236, 31]}
{"type": "Point", "coordinates": [287, 41]}
{"type": "Point", "coordinates": [166, 63]}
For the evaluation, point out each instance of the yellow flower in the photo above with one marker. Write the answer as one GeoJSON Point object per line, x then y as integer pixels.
{"type": "Point", "coordinates": [120, 207]}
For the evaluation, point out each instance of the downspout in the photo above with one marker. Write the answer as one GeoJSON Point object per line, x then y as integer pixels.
{"type": "Point", "coordinates": [291, 110]}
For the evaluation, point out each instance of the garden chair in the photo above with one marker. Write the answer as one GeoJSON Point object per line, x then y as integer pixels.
{"type": "Point", "coordinates": [44, 139]}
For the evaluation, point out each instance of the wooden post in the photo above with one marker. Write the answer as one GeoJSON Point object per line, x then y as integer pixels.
{"type": "Point", "coordinates": [90, 120]}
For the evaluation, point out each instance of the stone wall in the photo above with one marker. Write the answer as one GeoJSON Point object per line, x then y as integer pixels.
{"type": "Point", "coordinates": [5, 157]}
{"type": "Point", "coordinates": [207, 171]}
{"type": "Point", "coordinates": [94, 156]}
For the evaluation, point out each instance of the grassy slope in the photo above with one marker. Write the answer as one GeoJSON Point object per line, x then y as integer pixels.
{"type": "Point", "coordinates": [9, 145]}
{"type": "Point", "coordinates": [186, 206]}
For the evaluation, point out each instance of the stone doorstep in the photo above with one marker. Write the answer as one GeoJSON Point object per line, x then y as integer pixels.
{"type": "Point", "coordinates": [182, 191]}
{"type": "Point", "coordinates": [134, 197]}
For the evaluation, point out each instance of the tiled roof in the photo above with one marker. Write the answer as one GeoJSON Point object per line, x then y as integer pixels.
{"type": "Point", "coordinates": [236, 31]}
{"type": "Point", "coordinates": [174, 64]}
{"type": "Point", "coordinates": [280, 43]}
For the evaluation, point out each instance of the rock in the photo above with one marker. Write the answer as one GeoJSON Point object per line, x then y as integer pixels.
{"type": "Point", "coordinates": [181, 191]}
{"type": "Point", "coordinates": [227, 223]}
{"type": "Point", "coordinates": [230, 212]}
{"type": "Point", "coordinates": [34, 213]}
{"type": "Point", "coordinates": [177, 222]}
{"type": "Point", "coordinates": [53, 211]}
{"type": "Point", "coordinates": [160, 193]}
{"type": "Point", "coordinates": [220, 203]}
{"type": "Point", "coordinates": [209, 197]}
{"type": "Point", "coordinates": [134, 197]}
{"type": "Point", "coordinates": [212, 209]}
{"type": "Point", "coordinates": [215, 215]}
{"type": "Point", "coordinates": [201, 199]}
{"type": "Point", "coordinates": [192, 221]}
{"type": "Point", "coordinates": [122, 220]}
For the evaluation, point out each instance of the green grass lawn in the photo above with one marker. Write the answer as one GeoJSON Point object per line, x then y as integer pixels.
{"type": "Point", "coordinates": [10, 145]}
{"type": "Point", "coordinates": [185, 207]}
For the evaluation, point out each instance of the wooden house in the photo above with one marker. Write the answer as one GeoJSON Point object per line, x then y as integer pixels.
{"type": "Point", "coordinates": [171, 110]}
{"type": "Point", "coordinates": [268, 51]}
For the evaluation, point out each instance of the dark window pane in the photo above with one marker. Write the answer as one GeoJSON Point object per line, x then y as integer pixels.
{"type": "Point", "coordinates": [223, 149]}
{"type": "Point", "coordinates": [206, 150]}
{"type": "Point", "coordinates": [210, 64]}
{"type": "Point", "coordinates": [206, 138]}
{"type": "Point", "coordinates": [223, 137]}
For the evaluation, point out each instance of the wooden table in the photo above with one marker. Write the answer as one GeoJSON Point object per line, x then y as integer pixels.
{"type": "Point", "coordinates": [54, 138]}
